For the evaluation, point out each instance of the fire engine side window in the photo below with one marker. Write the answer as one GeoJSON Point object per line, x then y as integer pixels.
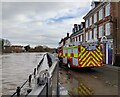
{"type": "Point", "coordinates": [75, 52]}
{"type": "Point", "coordinates": [64, 51]}
{"type": "Point", "coordinates": [70, 50]}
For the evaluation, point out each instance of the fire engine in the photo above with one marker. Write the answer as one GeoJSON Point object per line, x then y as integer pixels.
{"type": "Point", "coordinates": [81, 55]}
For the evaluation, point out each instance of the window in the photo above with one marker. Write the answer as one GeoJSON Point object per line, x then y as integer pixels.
{"type": "Point", "coordinates": [91, 21]}
{"type": "Point", "coordinates": [81, 37]}
{"type": "Point", "coordinates": [95, 18]}
{"type": "Point", "coordinates": [100, 14]}
{"type": "Point", "coordinates": [100, 31]}
{"type": "Point", "coordinates": [107, 10]}
{"type": "Point", "coordinates": [86, 23]}
{"type": "Point", "coordinates": [86, 36]}
{"type": "Point", "coordinates": [107, 29]}
{"type": "Point", "coordinates": [95, 33]}
{"type": "Point", "coordinates": [76, 38]}
{"type": "Point", "coordinates": [90, 35]}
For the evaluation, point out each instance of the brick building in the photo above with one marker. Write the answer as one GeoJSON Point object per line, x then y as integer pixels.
{"type": "Point", "coordinates": [101, 22]}
{"type": "Point", "coordinates": [78, 33]}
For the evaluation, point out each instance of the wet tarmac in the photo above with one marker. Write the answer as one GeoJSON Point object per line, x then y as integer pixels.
{"type": "Point", "coordinates": [89, 82]}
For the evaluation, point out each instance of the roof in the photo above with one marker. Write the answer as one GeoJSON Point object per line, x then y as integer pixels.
{"type": "Point", "coordinates": [96, 6]}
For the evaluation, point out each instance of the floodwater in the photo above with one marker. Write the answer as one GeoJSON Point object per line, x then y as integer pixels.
{"type": "Point", "coordinates": [16, 68]}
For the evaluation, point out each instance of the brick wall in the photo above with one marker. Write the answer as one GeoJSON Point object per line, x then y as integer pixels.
{"type": "Point", "coordinates": [118, 29]}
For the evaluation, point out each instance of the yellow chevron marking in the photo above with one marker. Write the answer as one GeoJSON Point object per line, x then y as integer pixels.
{"type": "Point", "coordinates": [98, 55]}
{"type": "Point", "coordinates": [82, 55]}
{"type": "Point", "coordinates": [93, 63]}
{"type": "Point", "coordinates": [99, 52]}
{"type": "Point", "coordinates": [98, 47]}
{"type": "Point", "coordinates": [96, 62]}
{"type": "Point", "coordinates": [86, 89]}
{"type": "Point", "coordinates": [85, 62]}
{"type": "Point", "coordinates": [86, 56]}
{"type": "Point", "coordinates": [82, 91]}
{"type": "Point", "coordinates": [83, 49]}
{"type": "Point", "coordinates": [94, 56]}
{"type": "Point", "coordinates": [89, 63]}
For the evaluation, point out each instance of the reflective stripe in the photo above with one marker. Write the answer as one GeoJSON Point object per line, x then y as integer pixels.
{"type": "Point", "coordinates": [63, 54]}
{"type": "Point", "coordinates": [69, 54]}
{"type": "Point", "coordinates": [90, 58]}
{"type": "Point", "coordinates": [76, 55]}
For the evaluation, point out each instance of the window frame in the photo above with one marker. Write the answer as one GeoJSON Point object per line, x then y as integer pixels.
{"type": "Point", "coordinates": [86, 36]}
{"type": "Point", "coordinates": [101, 14]}
{"type": "Point", "coordinates": [107, 10]}
{"type": "Point", "coordinates": [107, 29]}
{"type": "Point", "coordinates": [95, 17]}
{"type": "Point", "coordinates": [90, 34]}
{"type": "Point", "coordinates": [95, 33]}
{"type": "Point", "coordinates": [100, 31]}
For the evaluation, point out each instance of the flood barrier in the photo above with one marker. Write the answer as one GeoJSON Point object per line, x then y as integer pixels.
{"type": "Point", "coordinates": [46, 79]}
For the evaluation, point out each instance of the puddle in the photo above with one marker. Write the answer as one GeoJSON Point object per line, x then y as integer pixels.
{"type": "Point", "coordinates": [73, 85]}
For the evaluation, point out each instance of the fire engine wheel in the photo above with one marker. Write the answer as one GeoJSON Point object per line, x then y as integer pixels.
{"type": "Point", "coordinates": [68, 65]}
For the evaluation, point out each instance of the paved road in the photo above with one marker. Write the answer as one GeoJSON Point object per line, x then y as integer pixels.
{"type": "Point", "coordinates": [95, 81]}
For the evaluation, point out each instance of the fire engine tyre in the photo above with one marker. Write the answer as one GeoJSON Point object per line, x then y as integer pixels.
{"type": "Point", "coordinates": [68, 65]}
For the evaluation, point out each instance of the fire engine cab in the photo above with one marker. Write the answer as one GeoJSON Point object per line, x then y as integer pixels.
{"type": "Point", "coordinates": [81, 55]}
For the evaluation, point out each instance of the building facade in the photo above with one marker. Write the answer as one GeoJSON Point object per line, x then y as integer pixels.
{"type": "Point", "coordinates": [100, 22]}
{"type": "Point", "coordinates": [78, 33]}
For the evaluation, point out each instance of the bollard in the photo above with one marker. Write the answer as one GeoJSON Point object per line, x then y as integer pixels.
{"type": "Point", "coordinates": [18, 91]}
{"type": "Point", "coordinates": [34, 72]}
{"type": "Point", "coordinates": [30, 77]}
{"type": "Point", "coordinates": [47, 88]}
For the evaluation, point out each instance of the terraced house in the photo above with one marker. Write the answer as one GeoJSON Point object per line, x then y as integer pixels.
{"type": "Point", "coordinates": [78, 33]}
{"type": "Point", "coordinates": [101, 24]}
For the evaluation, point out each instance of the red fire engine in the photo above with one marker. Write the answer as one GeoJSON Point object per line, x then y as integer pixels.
{"type": "Point", "coordinates": [82, 55]}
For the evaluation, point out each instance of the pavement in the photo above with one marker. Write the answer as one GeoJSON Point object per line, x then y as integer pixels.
{"type": "Point", "coordinates": [112, 67]}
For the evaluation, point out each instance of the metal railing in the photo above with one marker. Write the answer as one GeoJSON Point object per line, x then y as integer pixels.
{"type": "Point", "coordinates": [45, 79]}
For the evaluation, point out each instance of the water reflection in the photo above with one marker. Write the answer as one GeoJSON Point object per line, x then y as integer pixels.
{"type": "Point", "coordinates": [16, 68]}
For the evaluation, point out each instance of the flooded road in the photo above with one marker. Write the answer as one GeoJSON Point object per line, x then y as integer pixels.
{"type": "Point", "coordinates": [16, 68]}
{"type": "Point", "coordinates": [89, 82]}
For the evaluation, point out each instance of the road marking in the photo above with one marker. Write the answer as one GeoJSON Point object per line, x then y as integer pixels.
{"type": "Point", "coordinates": [84, 90]}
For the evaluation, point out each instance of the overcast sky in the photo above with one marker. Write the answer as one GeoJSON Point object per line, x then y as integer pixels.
{"type": "Point", "coordinates": [40, 23]}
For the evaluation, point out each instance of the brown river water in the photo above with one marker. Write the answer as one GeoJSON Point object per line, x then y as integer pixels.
{"type": "Point", "coordinates": [15, 69]}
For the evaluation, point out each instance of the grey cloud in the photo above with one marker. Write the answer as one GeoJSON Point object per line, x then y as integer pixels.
{"type": "Point", "coordinates": [25, 23]}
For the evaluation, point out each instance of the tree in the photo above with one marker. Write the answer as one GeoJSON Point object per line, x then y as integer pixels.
{"type": "Point", "coordinates": [27, 48]}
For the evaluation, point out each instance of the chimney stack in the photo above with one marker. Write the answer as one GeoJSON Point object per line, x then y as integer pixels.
{"type": "Point", "coordinates": [67, 35]}
{"type": "Point", "coordinates": [79, 26]}
{"type": "Point", "coordinates": [76, 27]}
{"type": "Point", "coordinates": [73, 30]}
